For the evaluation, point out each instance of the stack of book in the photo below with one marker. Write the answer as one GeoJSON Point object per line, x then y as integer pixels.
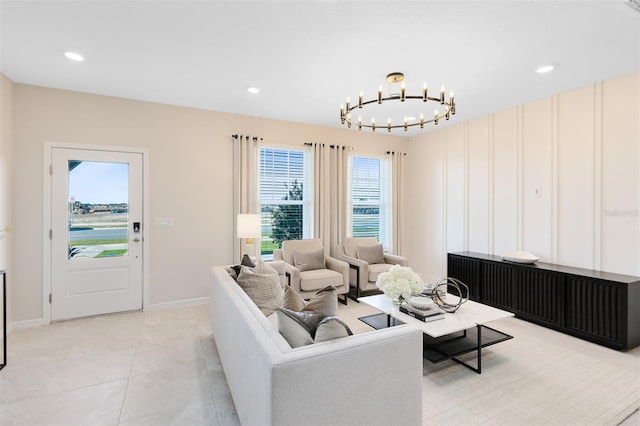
{"type": "Point", "coordinates": [432, 313]}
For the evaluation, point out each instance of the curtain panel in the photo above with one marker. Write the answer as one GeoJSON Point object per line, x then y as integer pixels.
{"type": "Point", "coordinates": [329, 194]}
{"type": "Point", "coordinates": [246, 160]}
{"type": "Point", "coordinates": [397, 160]}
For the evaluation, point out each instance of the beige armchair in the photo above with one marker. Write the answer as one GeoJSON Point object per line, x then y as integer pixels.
{"type": "Point", "coordinates": [308, 269]}
{"type": "Point", "coordinates": [366, 264]}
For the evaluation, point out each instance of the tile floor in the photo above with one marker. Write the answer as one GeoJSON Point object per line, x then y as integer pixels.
{"type": "Point", "coordinates": [139, 368]}
{"type": "Point", "coordinates": [162, 368]}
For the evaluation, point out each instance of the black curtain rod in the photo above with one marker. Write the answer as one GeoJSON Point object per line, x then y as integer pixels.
{"type": "Point", "coordinates": [255, 138]}
{"type": "Point", "coordinates": [394, 153]}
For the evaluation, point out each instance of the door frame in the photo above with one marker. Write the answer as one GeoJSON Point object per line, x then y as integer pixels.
{"type": "Point", "coordinates": [47, 222]}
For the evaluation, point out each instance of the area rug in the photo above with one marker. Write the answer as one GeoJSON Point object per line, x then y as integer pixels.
{"type": "Point", "coordinates": [540, 377]}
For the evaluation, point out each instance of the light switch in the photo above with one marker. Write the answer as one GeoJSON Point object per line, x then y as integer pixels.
{"type": "Point", "coordinates": [164, 222]}
{"type": "Point", "coordinates": [538, 191]}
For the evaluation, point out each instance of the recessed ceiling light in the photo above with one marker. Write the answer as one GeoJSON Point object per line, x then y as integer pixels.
{"type": "Point", "coordinates": [74, 56]}
{"type": "Point", "coordinates": [545, 68]}
{"type": "Point", "coordinates": [253, 90]}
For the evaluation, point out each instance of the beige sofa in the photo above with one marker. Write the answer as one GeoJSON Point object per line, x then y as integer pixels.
{"type": "Point", "coordinates": [373, 378]}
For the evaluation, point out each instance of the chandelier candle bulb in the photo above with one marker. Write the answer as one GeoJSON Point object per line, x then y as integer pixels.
{"type": "Point", "coordinates": [442, 95]}
{"type": "Point", "coordinates": [421, 121]}
{"type": "Point", "coordinates": [403, 92]}
{"type": "Point", "coordinates": [349, 121]}
{"type": "Point", "coordinates": [405, 124]}
{"type": "Point", "coordinates": [348, 103]}
{"type": "Point", "coordinates": [380, 95]}
{"type": "Point", "coordinates": [359, 123]}
{"type": "Point", "coordinates": [424, 92]}
{"type": "Point", "coordinates": [389, 125]}
{"type": "Point", "coordinates": [360, 100]}
{"type": "Point", "coordinates": [373, 124]}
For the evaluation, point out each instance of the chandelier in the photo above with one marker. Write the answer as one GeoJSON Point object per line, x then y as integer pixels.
{"type": "Point", "coordinates": [448, 107]}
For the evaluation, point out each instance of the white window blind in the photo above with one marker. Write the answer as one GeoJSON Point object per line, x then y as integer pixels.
{"type": "Point", "coordinates": [284, 203]}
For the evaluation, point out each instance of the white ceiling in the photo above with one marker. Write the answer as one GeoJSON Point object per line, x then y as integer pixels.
{"type": "Point", "coordinates": [308, 56]}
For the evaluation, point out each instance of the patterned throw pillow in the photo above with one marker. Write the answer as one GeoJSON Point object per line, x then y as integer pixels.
{"type": "Point", "coordinates": [262, 285]}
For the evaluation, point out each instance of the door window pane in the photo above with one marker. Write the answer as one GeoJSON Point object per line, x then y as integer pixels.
{"type": "Point", "coordinates": [98, 209]}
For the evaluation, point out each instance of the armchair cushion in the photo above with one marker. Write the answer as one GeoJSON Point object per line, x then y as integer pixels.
{"type": "Point", "coordinates": [308, 260]}
{"type": "Point", "coordinates": [320, 278]}
{"type": "Point", "coordinates": [262, 285]}
{"type": "Point", "coordinates": [371, 254]}
{"type": "Point", "coordinates": [376, 270]}
{"type": "Point", "coordinates": [351, 244]}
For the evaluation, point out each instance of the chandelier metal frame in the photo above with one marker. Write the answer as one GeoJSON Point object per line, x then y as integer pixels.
{"type": "Point", "coordinates": [396, 77]}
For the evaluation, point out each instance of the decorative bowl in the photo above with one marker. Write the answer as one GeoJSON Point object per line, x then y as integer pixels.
{"type": "Point", "coordinates": [520, 257]}
{"type": "Point", "coordinates": [420, 302]}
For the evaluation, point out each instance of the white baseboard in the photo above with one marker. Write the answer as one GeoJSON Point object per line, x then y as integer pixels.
{"type": "Point", "coordinates": [177, 304]}
{"type": "Point", "coordinates": [17, 325]}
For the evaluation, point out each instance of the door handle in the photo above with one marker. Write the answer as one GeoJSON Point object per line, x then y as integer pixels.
{"type": "Point", "coordinates": [136, 239]}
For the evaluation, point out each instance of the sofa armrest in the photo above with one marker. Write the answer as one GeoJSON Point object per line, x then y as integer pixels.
{"type": "Point", "coordinates": [360, 271]}
{"type": "Point", "coordinates": [293, 276]}
{"type": "Point", "coordinates": [341, 380]}
{"type": "Point", "coordinates": [277, 254]}
{"type": "Point", "coordinates": [394, 259]}
{"type": "Point", "coordinates": [338, 266]}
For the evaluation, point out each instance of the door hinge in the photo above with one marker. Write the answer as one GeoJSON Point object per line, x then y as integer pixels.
{"type": "Point", "coordinates": [51, 234]}
{"type": "Point", "coordinates": [50, 298]}
{"type": "Point", "coordinates": [51, 169]}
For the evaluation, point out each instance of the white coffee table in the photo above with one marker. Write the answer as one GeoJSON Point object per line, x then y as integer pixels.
{"type": "Point", "coordinates": [447, 338]}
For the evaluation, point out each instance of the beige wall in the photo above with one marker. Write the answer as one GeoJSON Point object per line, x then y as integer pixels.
{"type": "Point", "coordinates": [471, 185]}
{"type": "Point", "coordinates": [6, 136]}
{"type": "Point", "coordinates": [190, 180]}
{"type": "Point", "coordinates": [558, 177]}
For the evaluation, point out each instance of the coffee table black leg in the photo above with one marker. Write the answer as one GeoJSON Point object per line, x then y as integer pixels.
{"type": "Point", "coordinates": [479, 348]}
{"type": "Point", "coordinates": [477, 369]}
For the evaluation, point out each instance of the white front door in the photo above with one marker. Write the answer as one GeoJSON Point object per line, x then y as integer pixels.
{"type": "Point", "coordinates": [96, 238]}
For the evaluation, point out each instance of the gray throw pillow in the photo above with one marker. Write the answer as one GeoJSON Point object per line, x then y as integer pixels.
{"type": "Point", "coordinates": [262, 285]}
{"type": "Point", "coordinates": [309, 260]}
{"type": "Point", "coordinates": [324, 302]}
{"type": "Point", "coordinates": [298, 328]}
{"type": "Point", "coordinates": [331, 328]}
{"type": "Point", "coordinates": [371, 254]}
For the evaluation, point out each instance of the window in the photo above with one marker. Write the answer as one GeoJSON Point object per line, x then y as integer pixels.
{"type": "Point", "coordinates": [284, 197]}
{"type": "Point", "coordinates": [369, 194]}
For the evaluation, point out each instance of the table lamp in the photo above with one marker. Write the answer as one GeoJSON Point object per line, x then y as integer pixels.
{"type": "Point", "coordinates": [249, 227]}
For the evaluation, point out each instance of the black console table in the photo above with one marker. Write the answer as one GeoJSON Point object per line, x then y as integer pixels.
{"type": "Point", "coordinates": [601, 307]}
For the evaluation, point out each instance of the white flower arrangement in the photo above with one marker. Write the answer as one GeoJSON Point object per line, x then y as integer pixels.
{"type": "Point", "coordinates": [400, 281]}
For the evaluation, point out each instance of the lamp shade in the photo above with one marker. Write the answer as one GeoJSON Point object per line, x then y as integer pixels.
{"type": "Point", "coordinates": [248, 226]}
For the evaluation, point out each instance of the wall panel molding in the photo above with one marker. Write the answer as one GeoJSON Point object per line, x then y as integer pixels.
{"type": "Point", "coordinates": [597, 170]}
{"type": "Point", "coordinates": [555, 200]}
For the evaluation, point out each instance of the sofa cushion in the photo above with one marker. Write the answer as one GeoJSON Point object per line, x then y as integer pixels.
{"type": "Point", "coordinates": [309, 260]}
{"type": "Point", "coordinates": [331, 328]}
{"type": "Point", "coordinates": [246, 261]}
{"type": "Point", "coordinates": [377, 269]}
{"type": "Point", "coordinates": [324, 302]}
{"type": "Point", "coordinates": [371, 254]}
{"type": "Point", "coordinates": [262, 285]}
{"type": "Point", "coordinates": [320, 278]}
{"type": "Point", "coordinates": [298, 328]}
